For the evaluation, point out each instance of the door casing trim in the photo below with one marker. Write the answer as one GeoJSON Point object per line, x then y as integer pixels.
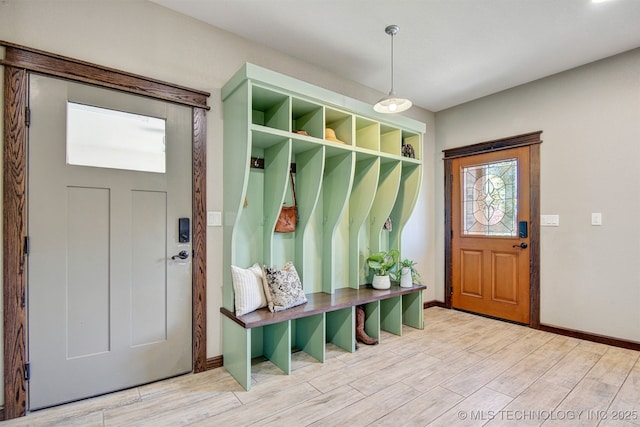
{"type": "Point", "coordinates": [18, 61]}
{"type": "Point", "coordinates": [533, 141]}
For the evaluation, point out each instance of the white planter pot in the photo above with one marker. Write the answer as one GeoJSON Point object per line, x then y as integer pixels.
{"type": "Point", "coordinates": [381, 282]}
{"type": "Point", "coordinates": [406, 281]}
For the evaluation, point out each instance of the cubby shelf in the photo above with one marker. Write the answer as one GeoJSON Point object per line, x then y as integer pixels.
{"type": "Point", "coordinates": [346, 191]}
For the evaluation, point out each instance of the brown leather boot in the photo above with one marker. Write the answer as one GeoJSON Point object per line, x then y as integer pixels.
{"type": "Point", "coordinates": [361, 335]}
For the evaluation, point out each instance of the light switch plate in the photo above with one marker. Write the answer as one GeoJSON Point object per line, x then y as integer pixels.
{"type": "Point", "coordinates": [550, 220]}
{"type": "Point", "coordinates": [214, 219]}
{"type": "Point", "coordinates": [596, 218]}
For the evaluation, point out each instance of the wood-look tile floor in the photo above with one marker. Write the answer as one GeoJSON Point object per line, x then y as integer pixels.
{"type": "Point", "coordinates": [461, 370]}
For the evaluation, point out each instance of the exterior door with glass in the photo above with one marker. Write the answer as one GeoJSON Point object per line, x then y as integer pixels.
{"type": "Point", "coordinates": [490, 234]}
{"type": "Point", "coordinates": [109, 299]}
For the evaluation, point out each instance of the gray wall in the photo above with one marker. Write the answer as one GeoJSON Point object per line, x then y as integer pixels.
{"type": "Point", "coordinates": [590, 118]}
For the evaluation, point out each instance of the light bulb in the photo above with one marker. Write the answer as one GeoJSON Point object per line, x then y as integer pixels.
{"type": "Point", "coordinates": [393, 107]}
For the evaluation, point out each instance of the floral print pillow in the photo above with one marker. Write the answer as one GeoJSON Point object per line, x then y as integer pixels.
{"type": "Point", "coordinates": [283, 287]}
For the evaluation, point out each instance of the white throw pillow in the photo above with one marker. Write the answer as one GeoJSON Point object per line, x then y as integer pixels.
{"type": "Point", "coordinates": [248, 289]}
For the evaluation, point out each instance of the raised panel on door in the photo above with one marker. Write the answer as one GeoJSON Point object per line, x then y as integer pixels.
{"type": "Point", "coordinates": [88, 286]}
{"type": "Point", "coordinates": [471, 273]}
{"type": "Point", "coordinates": [149, 278]}
{"type": "Point", "coordinates": [504, 277]}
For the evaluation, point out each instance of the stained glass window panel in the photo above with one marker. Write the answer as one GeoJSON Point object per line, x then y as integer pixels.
{"type": "Point", "coordinates": [490, 199]}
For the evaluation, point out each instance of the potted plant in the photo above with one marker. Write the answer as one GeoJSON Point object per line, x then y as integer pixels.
{"type": "Point", "coordinates": [408, 274]}
{"type": "Point", "coordinates": [384, 265]}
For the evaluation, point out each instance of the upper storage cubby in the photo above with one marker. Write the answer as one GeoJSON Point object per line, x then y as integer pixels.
{"type": "Point", "coordinates": [390, 140]}
{"type": "Point", "coordinates": [270, 108]}
{"type": "Point", "coordinates": [338, 126]}
{"type": "Point", "coordinates": [367, 134]}
{"type": "Point", "coordinates": [348, 168]}
{"type": "Point", "coordinates": [411, 146]}
{"type": "Point", "coordinates": [307, 118]}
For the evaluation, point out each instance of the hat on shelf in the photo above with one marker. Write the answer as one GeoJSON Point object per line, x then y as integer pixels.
{"type": "Point", "coordinates": [330, 135]}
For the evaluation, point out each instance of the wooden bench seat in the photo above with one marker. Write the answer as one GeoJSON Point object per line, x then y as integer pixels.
{"type": "Point", "coordinates": [319, 302]}
{"type": "Point", "coordinates": [308, 327]}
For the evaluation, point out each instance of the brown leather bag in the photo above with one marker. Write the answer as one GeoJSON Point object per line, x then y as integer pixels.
{"type": "Point", "coordinates": [288, 214]}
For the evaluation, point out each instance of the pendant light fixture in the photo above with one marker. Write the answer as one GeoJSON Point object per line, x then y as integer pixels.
{"type": "Point", "coordinates": [391, 103]}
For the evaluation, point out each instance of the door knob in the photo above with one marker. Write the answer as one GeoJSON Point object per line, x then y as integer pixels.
{"type": "Point", "coordinates": [522, 245]}
{"type": "Point", "coordinates": [181, 255]}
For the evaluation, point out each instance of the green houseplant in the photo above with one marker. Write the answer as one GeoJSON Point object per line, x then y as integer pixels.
{"type": "Point", "coordinates": [384, 265]}
{"type": "Point", "coordinates": [408, 274]}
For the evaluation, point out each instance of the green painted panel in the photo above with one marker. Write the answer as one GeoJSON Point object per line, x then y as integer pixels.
{"type": "Point", "coordinates": [390, 140]}
{"type": "Point", "coordinates": [341, 253]}
{"type": "Point", "coordinates": [249, 227]}
{"type": "Point", "coordinates": [391, 315]}
{"type": "Point", "coordinates": [236, 342]}
{"type": "Point", "coordinates": [336, 186]}
{"type": "Point", "coordinates": [367, 134]}
{"type": "Point", "coordinates": [236, 176]}
{"type": "Point", "coordinates": [277, 159]}
{"type": "Point", "coordinates": [341, 328]}
{"type": "Point", "coordinates": [365, 183]}
{"type": "Point", "coordinates": [309, 171]}
{"type": "Point", "coordinates": [308, 116]}
{"type": "Point", "coordinates": [283, 249]}
{"type": "Point", "coordinates": [277, 345]}
{"type": "Point", "coordinates": [413, 310]}
{"type": "Point", "coordinates": [405, 202]}
{"type": "Point", "coordinates": [263, 138]}
{"type": "Point", "coordinates": [364, 245]}
{"type": "Point", "coordinates": [313, 262]}
{"type": "Point", "coordinates": [257, 349]}
{"type": "Point", "coordinates": [372, 319]}
{"type": "Point", "coordinates": [388, 184]}
{"type": "Point", "coordinates": [310, 335]}
{"type": "Point", "coordinates": [270, 108]}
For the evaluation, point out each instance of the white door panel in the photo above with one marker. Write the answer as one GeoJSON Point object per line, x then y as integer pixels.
{"type": "Point", "coordinates": [107, 306]}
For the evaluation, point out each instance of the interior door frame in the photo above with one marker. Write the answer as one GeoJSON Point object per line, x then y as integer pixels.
{"type": "Point", "coordinates": [533, 141]}
{"type": "Point", "coordinates": [18, 62]}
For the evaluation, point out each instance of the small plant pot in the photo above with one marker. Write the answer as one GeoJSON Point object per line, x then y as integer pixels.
{"type": "Point", "coordinates": [381, 282]}
{"type": "Point", "coordinates": [406, 280]}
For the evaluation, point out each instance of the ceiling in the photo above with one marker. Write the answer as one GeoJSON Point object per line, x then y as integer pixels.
{"type": "Point", "coordinates": [447, 51]}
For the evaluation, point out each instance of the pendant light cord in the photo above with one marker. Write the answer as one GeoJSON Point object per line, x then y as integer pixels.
{"type": "Point", "coordinates": [392, 90]}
